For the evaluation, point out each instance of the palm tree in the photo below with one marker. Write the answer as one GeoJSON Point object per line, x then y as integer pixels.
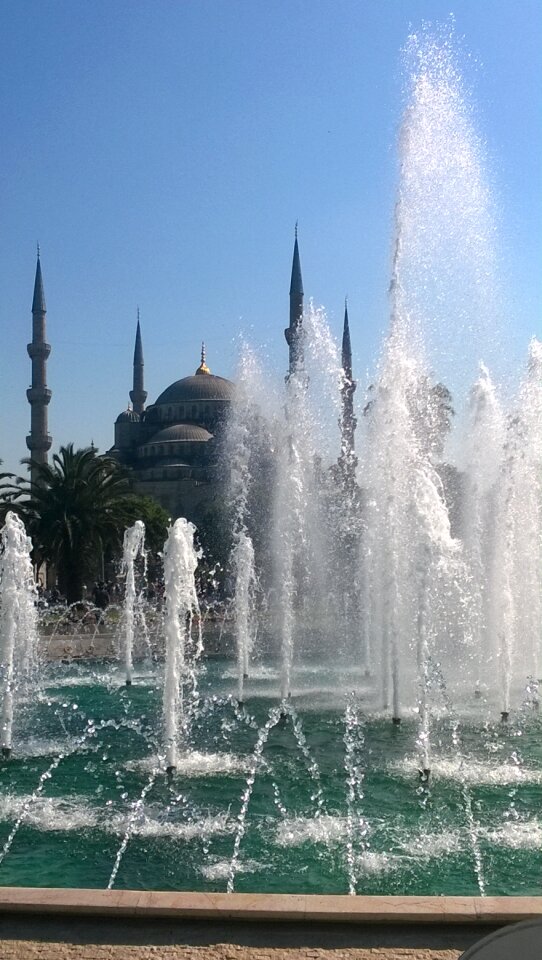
{"type": "Point", "coordinates": [75, 512]}
{"type": "Point", "coordinates": [5, 487]}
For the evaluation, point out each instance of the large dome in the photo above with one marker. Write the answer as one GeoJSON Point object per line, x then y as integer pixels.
{"type": "Point", "coordinates": [184, 432]}
{"type": "Point", "coordinates": [207, 387]}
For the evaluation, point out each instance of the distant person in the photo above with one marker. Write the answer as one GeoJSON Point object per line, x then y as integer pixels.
{"type": "Point", "coordinates": [101, 596]}
{"type": "Point", "coordinates": [101, 599]}
{"type": "Point", "coordinates": [55, 595]}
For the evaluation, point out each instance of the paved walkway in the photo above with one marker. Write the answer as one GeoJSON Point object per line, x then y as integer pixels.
{"type": "Point", "coordinates": [100, 938]}
{"type": "Point", "coordinates": [34, 950]}
{"type": "Point", "coordinates": [64, 936]}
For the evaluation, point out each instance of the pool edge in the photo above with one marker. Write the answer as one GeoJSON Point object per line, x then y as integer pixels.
{"type": "Point", "coordinates": [496, 911]}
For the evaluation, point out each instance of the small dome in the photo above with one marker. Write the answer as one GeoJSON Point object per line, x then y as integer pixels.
{"type": "Point", "coordinates": [181, 432]}
{"type": "Point", "coordinates": [198, 387]}
{"type": "Point", "coordinates": [128, 416]}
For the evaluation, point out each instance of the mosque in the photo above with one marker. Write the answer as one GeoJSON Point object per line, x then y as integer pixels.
{"type": "Point", "coordinates": [172, 448]}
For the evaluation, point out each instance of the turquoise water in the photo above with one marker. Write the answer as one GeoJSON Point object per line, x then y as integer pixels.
{"type": "Point", "coordinates": [476, 825]}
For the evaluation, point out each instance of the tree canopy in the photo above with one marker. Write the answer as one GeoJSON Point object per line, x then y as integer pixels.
{"type": "Point", "coordinates": [76, 513]}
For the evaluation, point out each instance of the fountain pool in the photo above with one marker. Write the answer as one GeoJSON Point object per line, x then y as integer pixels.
{"type": "Point", "coordinates": [336, 804]}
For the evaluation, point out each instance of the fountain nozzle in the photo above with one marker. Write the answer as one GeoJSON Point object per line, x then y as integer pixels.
{"type": "Point", "coordinates": [283, 711]}
{"type": "Point", "coordinates": [425, 774]}
{"type": "Point", "coordinates": [245, 676]}
{"type": "Point", "coordinates": [170, 771]}
{"type": "Point", "coordinates": [6, 752]}
{"type": "Point", "coordinates": [128, 682]}
{"type": "Point", "coordinates": [504, 716]}
{"type": "Point", "coordinates": [396, 721]}
{"type": "Point", "coordinates": [477, 693]}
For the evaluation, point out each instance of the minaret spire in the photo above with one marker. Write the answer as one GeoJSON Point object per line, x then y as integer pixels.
{"type": "Point", "coordinates": [38, 441]}
{"type": "Point", "coordinates": [138, 394]}
{"type": "Point", "coordinates": [38, 300]}
{"type": "Point", "coordinates": [203, 368]}
{"type": "Point", "coordinates": [347, 459]}
{"type": "Point", "coordinates": [346, 345]}
{"type": "Point", "coordinates": [293, 331]}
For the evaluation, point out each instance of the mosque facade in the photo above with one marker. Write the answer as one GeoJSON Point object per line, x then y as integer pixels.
{"type": "Point", "coordinates": [173, 448]}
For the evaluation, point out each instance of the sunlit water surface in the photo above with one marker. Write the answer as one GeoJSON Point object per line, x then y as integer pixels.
{"type": "Point", "coordinates": [474, 827]}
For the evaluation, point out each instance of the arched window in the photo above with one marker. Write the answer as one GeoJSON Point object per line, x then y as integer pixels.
{"type": "Point", "coordinates": [181, 413]}
{"type": "Point", "coordinates": [194, 412]}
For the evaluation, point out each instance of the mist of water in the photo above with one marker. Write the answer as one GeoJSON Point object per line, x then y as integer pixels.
{"type": "Point", "coordinates": [182, 647]}
{"type": "Point", "coordinates": [18, 620]}
{"type": "Point", "coordinates": [133, 547]}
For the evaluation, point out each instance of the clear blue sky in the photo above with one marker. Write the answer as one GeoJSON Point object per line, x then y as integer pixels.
{"type": "Point", "coordinates": [161, 151]}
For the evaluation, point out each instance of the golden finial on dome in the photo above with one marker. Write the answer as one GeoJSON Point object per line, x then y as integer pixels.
{"type": "Point", "coordinates": [203, 368]}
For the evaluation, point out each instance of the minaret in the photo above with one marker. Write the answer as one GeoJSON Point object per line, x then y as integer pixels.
{"type": "Point", "coordinates": [38, 441]}
{"type": "Point", "coordinates": [293, 331]}
{"type": "Point", "coordinates": [138, 395]}
{"type": "Point", "coordinates": [348, 421]}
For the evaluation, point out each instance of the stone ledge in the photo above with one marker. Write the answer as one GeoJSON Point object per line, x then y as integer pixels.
{"type": "Point", "coordinates": [495, 911]}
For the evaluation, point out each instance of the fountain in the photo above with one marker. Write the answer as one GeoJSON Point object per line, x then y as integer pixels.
{"type": "Point", "coordinates": [182, 652]}
{"type": "Point", "coordinates": [242, 555]}
{"type": "Point", "coordinates": [18, 616]}
{"type": "Point", "coordinates": [385, 610]}
{"type": "Point", "coordinates": [134, 546]}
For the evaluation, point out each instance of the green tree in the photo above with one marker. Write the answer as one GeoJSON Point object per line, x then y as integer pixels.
{"type": "Point", "coordinates": [6, 484]}
{"type": "Point", "coordinates": [76, 512]}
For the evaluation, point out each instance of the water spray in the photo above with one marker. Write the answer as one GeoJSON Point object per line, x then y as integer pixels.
{"type": "Point", "coordinates": [180, 564]}
{"type": "Point", "coordinates": [18, 620]}
{"type": "Point", "coordinates": [134, 546]}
